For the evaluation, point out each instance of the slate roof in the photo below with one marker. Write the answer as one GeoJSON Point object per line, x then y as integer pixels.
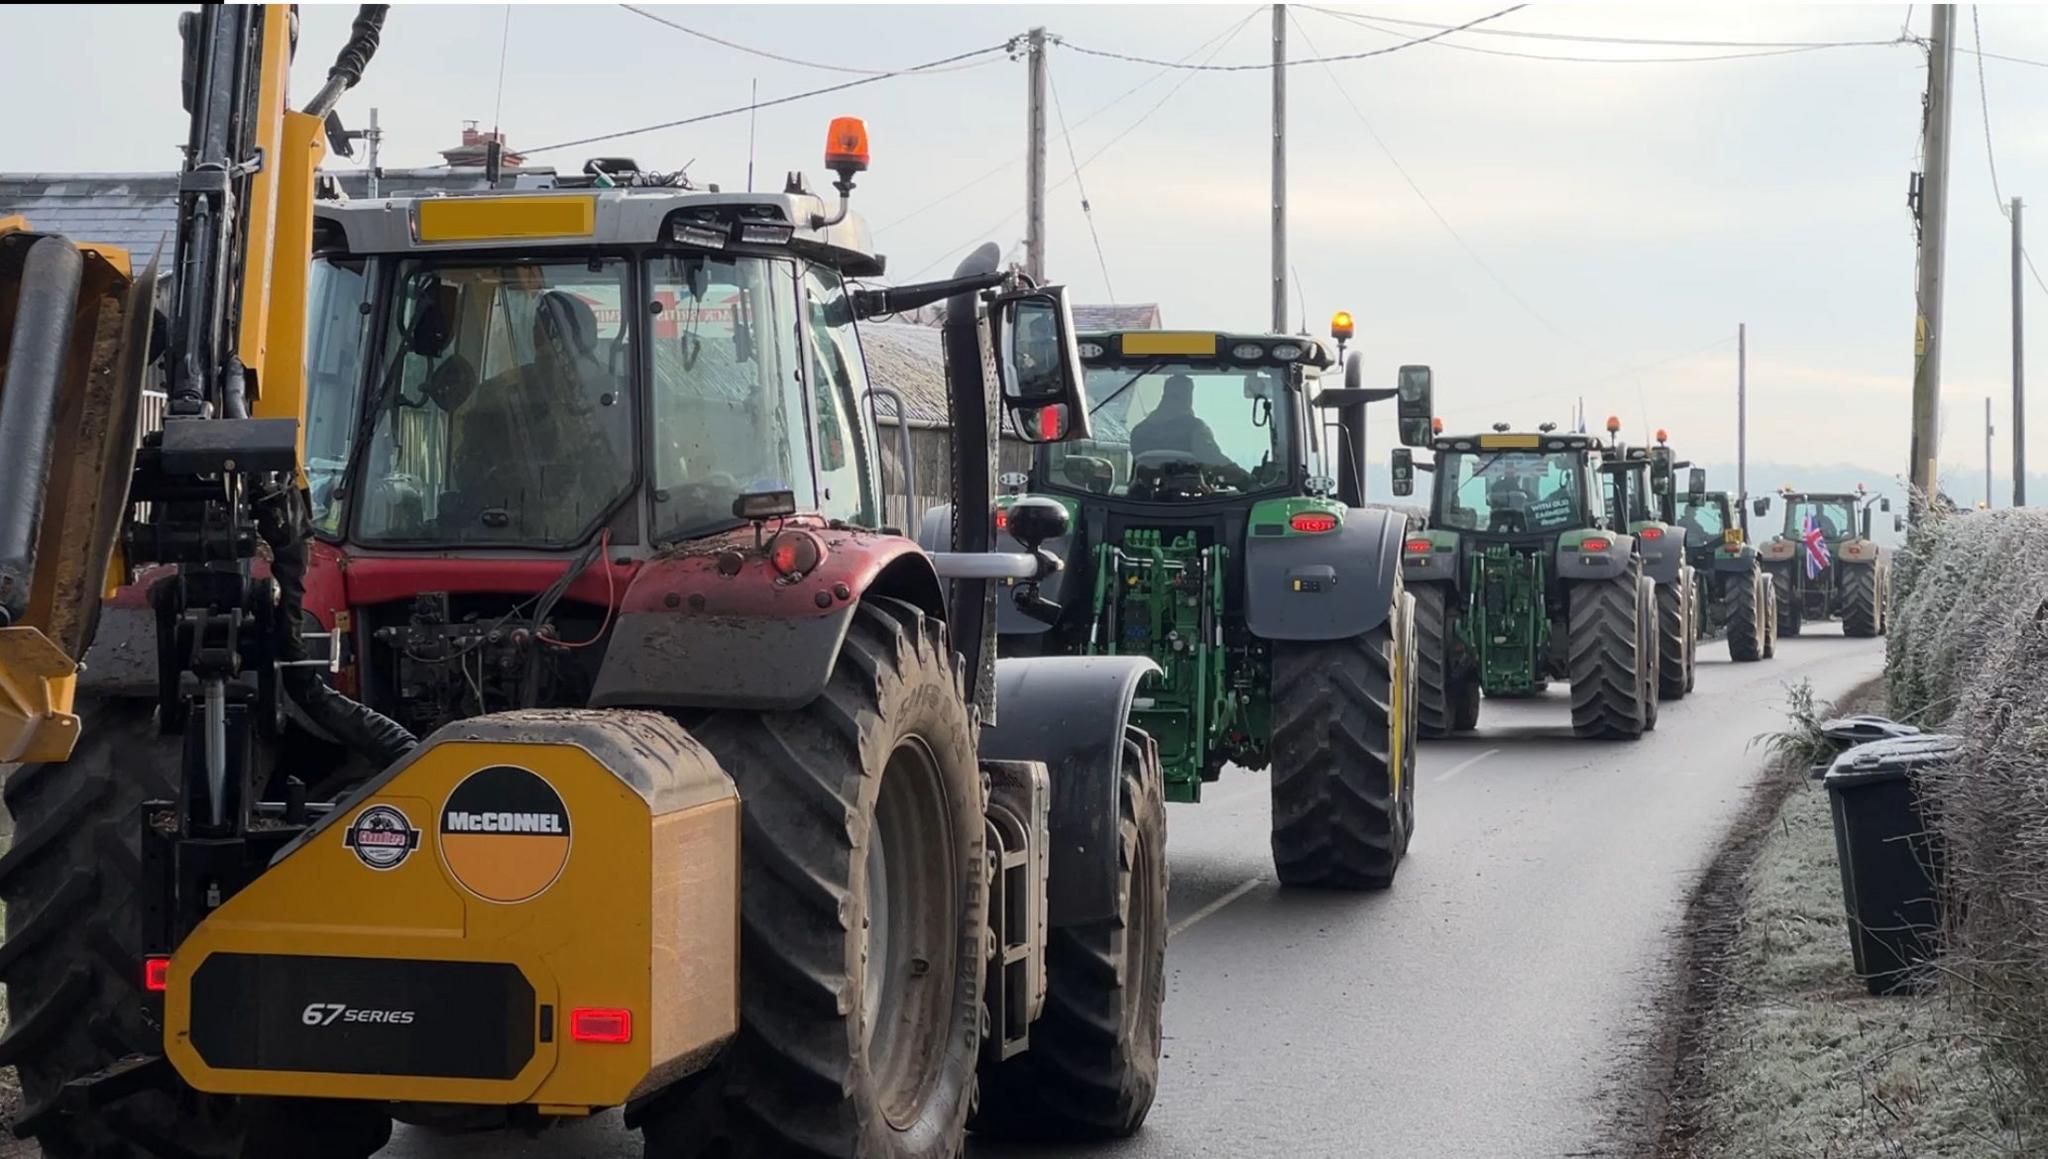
{"type": "Point", "coordinates": [909, 359]}
{"type": "Point", "coordinates": [1139, 316]}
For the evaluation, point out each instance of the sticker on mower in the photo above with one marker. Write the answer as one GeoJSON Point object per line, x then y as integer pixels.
{"type": "Point", "coordinates": [381, 837]}
{"type": "Point", "coordinates": [505, 834]}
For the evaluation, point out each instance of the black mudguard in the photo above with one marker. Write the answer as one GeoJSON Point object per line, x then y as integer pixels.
{"type": "Point", "coordinates": [1071, 712]}
{"type": "Point", "coordinates": [936, 534]}
{"type": "Point", "coordinates": [664, 660]}
{"type": "Point", "coordinates": [1331, 586]}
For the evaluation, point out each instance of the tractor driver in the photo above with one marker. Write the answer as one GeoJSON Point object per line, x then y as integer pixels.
{"type": "Point", "coordinates": [1174, 426]}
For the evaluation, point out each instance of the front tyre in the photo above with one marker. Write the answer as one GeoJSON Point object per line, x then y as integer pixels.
{"type": "Point", "coordinates": [863, 899]}
{"type": "Point", "coordinates": [1746, 617]}
{"type": "Point", "coordinates": [1606, 658]}
{"type": "Point", "coordinates": [1446, 701]}
{"type": "Point", "coordinates": [1673, 653]}
{"type": "Point", "coordinates": [1093, 1066]}
{"type": "Point", "coordinates": [1343, 770]}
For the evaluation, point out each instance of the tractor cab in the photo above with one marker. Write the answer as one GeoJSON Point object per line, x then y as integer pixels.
{"type": "Point", "coordinates": [1841, 515]}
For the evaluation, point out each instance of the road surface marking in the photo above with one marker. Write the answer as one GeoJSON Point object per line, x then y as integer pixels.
{"type": "Point", "coordinates": [1183, 925]}
{"type": "Point", "coordinates": [1465, 764]}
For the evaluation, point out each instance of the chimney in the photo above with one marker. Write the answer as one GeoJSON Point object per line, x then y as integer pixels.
{"type": "Point", "coordinates": [475, 148]}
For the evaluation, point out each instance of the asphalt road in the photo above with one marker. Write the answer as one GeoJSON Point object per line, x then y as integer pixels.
{"type": "Point", "coordinates": [1483, 1007]}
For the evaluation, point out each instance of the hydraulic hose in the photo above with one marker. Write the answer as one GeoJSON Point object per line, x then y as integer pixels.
{"type": "Point", "coordinates": [281, 519]}
{"type": "Point", "coordinates": [353, 58]}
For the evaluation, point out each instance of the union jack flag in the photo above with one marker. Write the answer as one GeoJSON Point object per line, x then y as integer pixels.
{"type": "Point", "coordinates": [1816, 548]}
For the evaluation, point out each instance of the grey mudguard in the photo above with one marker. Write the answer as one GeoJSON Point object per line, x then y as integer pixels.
{"type": "Point", "coordinates": [1740, 562]}
{"type": "Point", "coordinates": [1331, 586]}
{"type": "Point", "coordinates": [1071, 712]}
{"type": "Point", "coordinates": [936, 534]}
{"type": "Point", "coordinates": [1663, 557]}
{"type": "Point", "coordinates": [669, 660]}
{"type": "Point", "coordinates": [1573, 564]}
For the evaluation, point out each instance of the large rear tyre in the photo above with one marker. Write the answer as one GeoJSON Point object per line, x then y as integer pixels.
{"type": "Point", "coordinates": [1343, 764]}
{"type": "Point", "coordinates": [1746, 618]}
{"type": "Point", "coordinates": [1093, 1066]}
{"type": "Point", "coordinates": [1770, 591]}
{"type": "Point", "coordinates": [1860, 610]}
{"type": "Point", "coordinates": [1788, 604]}
{"type": "Point", "coordinates": [863, 897]}
{"type": "Point", "coordinates": [72, 962]}
{"type": "Point", "coordinates": [1674, 656]}
{"type": "Point", "coordinates": [1606, 657]}
{"type": "Point", "coordinates": [1446, 701]}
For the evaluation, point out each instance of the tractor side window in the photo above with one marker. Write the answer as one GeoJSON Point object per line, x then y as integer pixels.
{"type": "Point", "coordinates": [729, 411]}
{"type": "Point", "coordinates": [1172, 432]}
{"type": "Point", "coordinates": [1510, 492]}
{"type": "Point", "coordinates": [1703, 522]}
{"type": "Point", "coordinates": [504, 410]}
{"type": "Point", "coordinates": [839, 378]}
{"type": "Point", "coordinates": [337, 331]}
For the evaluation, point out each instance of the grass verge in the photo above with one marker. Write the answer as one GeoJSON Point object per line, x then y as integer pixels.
{"type": "Point", "coordinates": [1776, 1050]}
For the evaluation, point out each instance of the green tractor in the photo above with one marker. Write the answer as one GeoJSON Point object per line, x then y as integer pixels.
{"type": "Point", "coordinates": [1642, 499]}
{"type": "Point", "coordinates": [1825, 563]}
{"type": "Point", "coordinates": [1522, 577]}
{"type": "Point", "coordinates": [1207, 533]}
{"type": "Point", "coordinates": [1736, 596]}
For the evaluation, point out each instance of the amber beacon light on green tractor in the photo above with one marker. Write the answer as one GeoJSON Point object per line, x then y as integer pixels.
{"type": "Point", "coordinates": [1216, 525]}
{"type": "Point", "coordinates": [509, 701]}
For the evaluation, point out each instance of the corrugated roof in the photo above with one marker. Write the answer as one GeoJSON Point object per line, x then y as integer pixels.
{"type": "Point", "coordinates": [139, 211]}
{"type": "Point", "coordinates": [1138, 316]}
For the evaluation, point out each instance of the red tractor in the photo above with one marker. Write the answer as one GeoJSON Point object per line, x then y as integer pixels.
{"type": "Point", "coordinates": [529, 712]}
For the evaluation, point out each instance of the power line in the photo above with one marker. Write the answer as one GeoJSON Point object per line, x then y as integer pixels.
{"type": "Point", "coordinates": [1775, 50]}
{"type": "Point", "coordinates": [1373, 133]}
{"type": "Point", "coordinates": [764, 53]}
{"type": "Point", "coordinates": [1085, 119]}
{"type": "Point", "coordinates": [769, 104]}
{"type": "Point", "coordinates": [1223, 43]}
{"type": "Point", "coordinates": [1087, 211]}
{"type": "Point", "coordinates": [1266, 65]}
{"type": "Point", "coordinates": [1984, 105]}
{"type": "Point", "coordinates": [1585, 38]}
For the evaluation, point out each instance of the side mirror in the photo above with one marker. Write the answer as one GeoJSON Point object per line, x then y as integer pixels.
{"type": "Point", "coordinates": [1404, 471]}
{"type": "Point", "coordinates": [1033, 519]}
{"type": "Point", "coordinates": [1884, 504]}
{"type": "Point", "coordinates": [1760, 505]}
{"type": "Point", "coordinates": [1038, 365]}
{"type": "Point", "coordinates": [1416, 406]}
{"type": "Point", "coordinates": [1660, 468]}
{"type": "Point", "coordinates": [1696, 485]}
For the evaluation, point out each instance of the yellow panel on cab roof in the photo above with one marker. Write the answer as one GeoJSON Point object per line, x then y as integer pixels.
{"type": "Point", "coordinates": [1170, 342]}
{"type": "Point", "coordinates": [1496, 442]}
{"type": "Point", "coordinates": [499, 218]}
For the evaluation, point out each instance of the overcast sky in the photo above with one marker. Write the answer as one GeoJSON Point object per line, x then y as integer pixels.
{"type": "Point", "coordinates": [1613, 215]}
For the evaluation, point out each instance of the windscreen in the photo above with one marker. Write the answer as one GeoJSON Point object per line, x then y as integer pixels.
{"type": "Point", "coordinates": [1511, 492]}
{"type": "Point", "coordinates": [1705, 521]}
{"type": "Point", "coordinates": [1179, 431]}
{"type": "Point", "coordinates": [1837, 517]}
{"type": "Point", "coordinates": [503, 403]}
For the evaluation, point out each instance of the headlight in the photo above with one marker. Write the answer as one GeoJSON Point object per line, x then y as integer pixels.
{"type": "Point", "coordinates": [1247, 352]}
{"type": "Point", "coordinates": [1092, 350]}
{"type": "Point", "coordinates": [1286, 351]}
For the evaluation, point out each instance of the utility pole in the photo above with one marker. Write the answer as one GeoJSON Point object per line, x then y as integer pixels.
{"type": "Point", "coordinates": [1988, 432]}
{"type": "Point", "coordinates": [2019, 370]}
{"type": "Point", "coordinates": [1931, 205]}
{"type": "Point", "coordinates": [373, 135]}
{"type": "Point", "coordinates": [1034, 162]}
{"type": "Point", "coordinates": [1280, 177]}
{"type": "Point", "coordinates": [1742, 420]}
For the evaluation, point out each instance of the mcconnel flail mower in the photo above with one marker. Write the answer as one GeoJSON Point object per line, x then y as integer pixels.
{"type": "Point", "coordinates": [1521, 577]}
{"type": "Point", "coordinates": [509, 704]}
{"type": "Point", "coordinates": [1208, 537]}
{"type": "Point", "coordinates": [1824, 562]}
{"type": "Point", "coordinates": [1736, 596]}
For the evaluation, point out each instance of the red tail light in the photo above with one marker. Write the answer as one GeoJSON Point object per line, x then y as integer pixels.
{"type": "Point", "coordinates": [598, 1024]}
{"type": "Point", "coordinates": [1002, 518]}
{"type": "Point", "coordinates": [156, 973]}
{"type": "Point", "coordinates": [1652, 533]}
{"type": "Point", "coordinates": [1595, 543]}
{"type": "Point", "coordinates": [1313, 522]}
{"type": "Point", "coordinates": [794, 553]}
{"type": "Point", "coordinates": [1418, 545]}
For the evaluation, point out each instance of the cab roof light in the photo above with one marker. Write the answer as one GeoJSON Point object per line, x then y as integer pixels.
{"type": "Point", "coordinates": [1341, 327]}
{"type": "Point", "coordinates": [1613, 424]}
{"type": "Point", "coordinates": [600, 1024]}
{"type": "Point", "coordinates": [846, 147]}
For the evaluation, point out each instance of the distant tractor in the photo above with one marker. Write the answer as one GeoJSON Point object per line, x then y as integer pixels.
{"type": "Point", "coordinates": [1825, 563]}
{"type": "Point", "coordinates": [1736, 596]}
{"type": "Point", "coordinates": [1208, 535]}
{"type": "Point", "coordinates": [1640, 484]}
{"type": "Point", "coordinates": [1521, 577]}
